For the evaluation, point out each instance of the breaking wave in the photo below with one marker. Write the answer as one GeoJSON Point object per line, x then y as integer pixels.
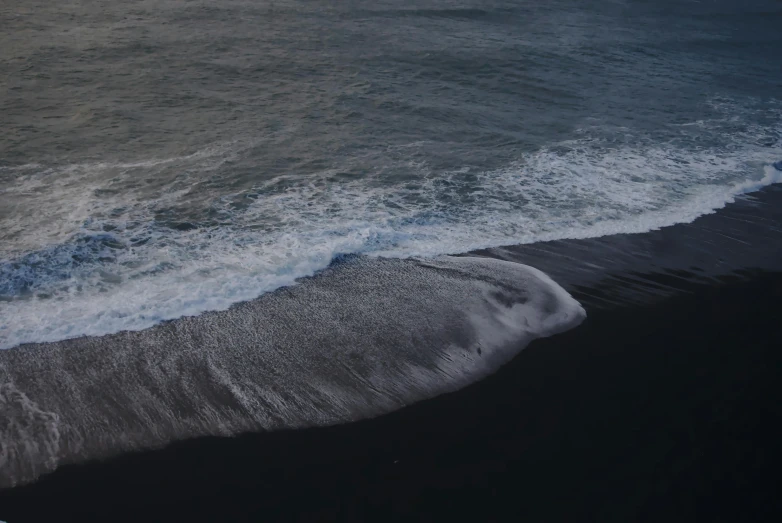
{"type": "Point", "coordinates": [120, 260]}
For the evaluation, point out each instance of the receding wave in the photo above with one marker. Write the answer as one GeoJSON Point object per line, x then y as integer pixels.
{"type": "Point", "coordinates": [367, 337]}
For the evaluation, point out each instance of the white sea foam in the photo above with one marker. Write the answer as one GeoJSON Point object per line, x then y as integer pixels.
{"type": "Point", "coordinates": [372, 336]}
{"type": "Point", "coordinates": [139, 272]}
{"type": "Point", "coordinates": [67, 197]}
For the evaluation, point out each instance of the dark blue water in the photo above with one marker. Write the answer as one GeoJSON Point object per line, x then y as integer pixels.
{"type": "Point", "coordinates": [163, 158]}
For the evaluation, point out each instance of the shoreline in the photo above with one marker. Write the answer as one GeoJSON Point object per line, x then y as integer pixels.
{"type": "Point", "coordinates": [586, 416]}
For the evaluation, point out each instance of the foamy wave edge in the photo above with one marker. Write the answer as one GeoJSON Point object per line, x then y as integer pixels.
{"type": "Point", "coordinates": [135, 304]}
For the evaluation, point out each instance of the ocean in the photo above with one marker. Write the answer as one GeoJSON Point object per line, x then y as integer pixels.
{"type": "Point", "coordinates": [161, 159]}
{"type": "Point", "coordinates": [241, 216]}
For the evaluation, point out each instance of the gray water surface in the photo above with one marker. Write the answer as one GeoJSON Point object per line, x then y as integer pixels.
{"type": "Point", "coordinates": [164, 158]}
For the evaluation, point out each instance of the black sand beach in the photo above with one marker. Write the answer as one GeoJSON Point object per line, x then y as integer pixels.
{"type": "Point", "coordinates": [396, 260]}
{"type": "Point", "coordinates": [664, 405]}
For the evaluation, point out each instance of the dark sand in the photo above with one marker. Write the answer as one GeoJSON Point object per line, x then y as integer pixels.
{"type": "Point", "coordinates": [664, 405]}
